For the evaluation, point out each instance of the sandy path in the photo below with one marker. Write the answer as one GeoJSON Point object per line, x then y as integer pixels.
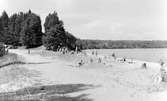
{"type": "Point", "coordinates": [121, 82]}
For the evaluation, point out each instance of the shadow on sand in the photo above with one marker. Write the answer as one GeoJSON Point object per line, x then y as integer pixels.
{"type": "Point", "coordinates": [21, 63]}
{"type": "Point", "coordinates": [49, 93]}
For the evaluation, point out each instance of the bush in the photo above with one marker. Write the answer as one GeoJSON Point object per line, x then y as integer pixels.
{"type": "Point", "coordinates": [2, 50]}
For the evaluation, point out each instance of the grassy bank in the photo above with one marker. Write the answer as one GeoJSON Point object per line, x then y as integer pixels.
{"type": "Point", "coordinates": [10, 59]}
{"type": "Point", "coordinates": [14, 76]}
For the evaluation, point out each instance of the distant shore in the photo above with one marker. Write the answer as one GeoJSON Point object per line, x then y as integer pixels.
{"type": "Point", "coordinates": [121, 44]}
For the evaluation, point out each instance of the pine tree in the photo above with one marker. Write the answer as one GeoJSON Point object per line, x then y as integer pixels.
{"type": "Point", "coordinates": [4, 20]}
{"type": "Point", "coordinates": [31, 33]}
{"type": "Point", "coordinates": [13, 36]}
{"type": "Point", "coordinates": [4, 26]}
{"type": "Point", "coordinates": [55, 34]}
{"type": "Point", "coordinates": [21, 29]}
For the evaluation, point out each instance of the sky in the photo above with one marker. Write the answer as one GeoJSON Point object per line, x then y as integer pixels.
{"type": "Point", "coordinates": [101, 19]}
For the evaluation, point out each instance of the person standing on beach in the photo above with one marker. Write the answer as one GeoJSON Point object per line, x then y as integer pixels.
{"type": "Point", "coordinates": [114, 56]}
{"type": "Point", "coordinates": [144, 66]}
{"type": "Point", "coordinates": [96, 53]}
{"type": "Point", "coordinates": [162, 63]}
{"type": "Point", "coordinates": [76, 49]}
{"type": "Point", "coordinates": [28, 51]}
{"type": "Point", "coordinates": [163, 71]}
{"type": "Point", "coordinates": [92, 52]}
{"type": "Point", "coordinates": [99, 60]}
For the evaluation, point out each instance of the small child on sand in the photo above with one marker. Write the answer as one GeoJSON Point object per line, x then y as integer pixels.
{"type": "Point", "coordinates": [144, 66]}
{"type": "Point", "coordinates": [91, 60]}
{"type": "Point", "coordinates": [162, 63]}
{"type": "Point", "coordinates": [114, 56]}
{"type": "Point", "coordinates": [80, 63]}
{"type": "Point", "coordinates": [99, 60]}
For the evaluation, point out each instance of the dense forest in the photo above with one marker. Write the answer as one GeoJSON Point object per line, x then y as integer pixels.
{"type": "Point", "coordinates": [25, 29]}
{"type": "Point", "coordinates": [21, 29]}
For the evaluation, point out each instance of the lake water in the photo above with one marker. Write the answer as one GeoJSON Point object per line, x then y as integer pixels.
{"type": "Point", "coordinates": [151, 55]}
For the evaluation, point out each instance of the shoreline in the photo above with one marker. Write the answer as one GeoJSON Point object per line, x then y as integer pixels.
{"type": "Point", "coordinates": [115, 79]}
{"type": "Point", "coordinates": [148, 55]}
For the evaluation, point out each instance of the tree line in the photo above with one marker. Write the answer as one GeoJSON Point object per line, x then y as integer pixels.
{"type": "Point", "coordinates": [21, 29]}
{"type": "Point", "coordinates": [121, 44]}
{"type": "Point", "coordinates": [25, 29]}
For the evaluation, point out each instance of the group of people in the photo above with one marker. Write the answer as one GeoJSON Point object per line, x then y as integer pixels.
{"type": "Point", "coordinates": [94, 57]}
{"type": "Point", "coordinates": [162, 74]}
{"type": "Point", "coordinates": [64, 50]}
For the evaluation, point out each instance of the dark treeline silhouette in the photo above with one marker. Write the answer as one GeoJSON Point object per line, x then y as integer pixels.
{"type": "Point", "coordinates": [56, 36]}
{"type": "Point", "coordinates": [120, 44]}
{"type": "Point", "coordinates": [25, 29]}
{"type": "Point", "coordinates": [21, 29]}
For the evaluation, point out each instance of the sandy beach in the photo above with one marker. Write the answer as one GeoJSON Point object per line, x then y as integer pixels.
{"type": "Point", "coordinates": [112, 80]}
